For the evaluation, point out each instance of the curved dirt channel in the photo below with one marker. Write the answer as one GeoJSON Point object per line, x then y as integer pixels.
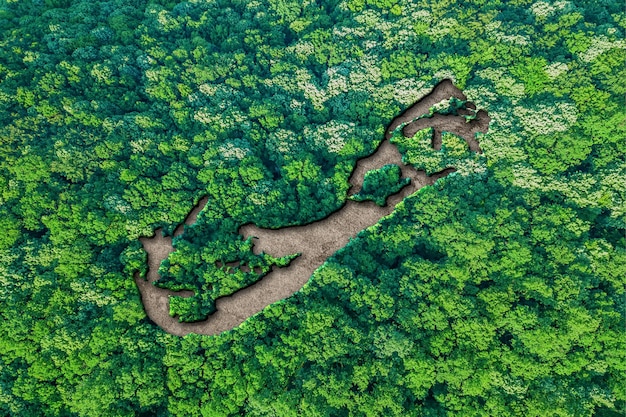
{"type": "Point", "coordinates": [316, 241]}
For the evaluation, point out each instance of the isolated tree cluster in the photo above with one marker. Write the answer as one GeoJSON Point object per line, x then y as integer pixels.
{"type": "Point", "coordinates": [380, 183]}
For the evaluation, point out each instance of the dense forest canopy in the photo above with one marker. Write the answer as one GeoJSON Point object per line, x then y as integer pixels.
{"type": "Point", "coordinates": [497, 291]}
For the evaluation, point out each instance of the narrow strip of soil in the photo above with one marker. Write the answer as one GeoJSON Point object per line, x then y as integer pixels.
{"type": "Point", "coordinates": [315, 241]}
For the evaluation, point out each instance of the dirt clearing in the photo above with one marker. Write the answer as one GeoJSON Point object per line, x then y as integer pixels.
{"type": "Point", "coordinates": [315, 241]}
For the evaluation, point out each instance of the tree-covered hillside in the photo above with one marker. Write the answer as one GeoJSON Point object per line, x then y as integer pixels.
{"type": "Point", "coordinates": [497, 291]}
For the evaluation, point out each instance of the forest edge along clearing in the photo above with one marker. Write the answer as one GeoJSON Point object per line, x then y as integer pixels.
{"type": "Point", "coordinates": [315, 241]}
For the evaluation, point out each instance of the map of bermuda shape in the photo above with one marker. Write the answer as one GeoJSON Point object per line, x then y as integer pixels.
{"type": "Point", "coordinates": [316, 241]}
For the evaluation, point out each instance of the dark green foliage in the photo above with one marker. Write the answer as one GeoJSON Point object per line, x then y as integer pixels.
{"type": "Point", "coordinates": [497, 291]}
{"type": "Point", "coordinates": [380, 183]}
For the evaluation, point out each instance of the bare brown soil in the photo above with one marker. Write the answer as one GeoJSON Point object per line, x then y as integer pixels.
{"type": "Point", "coordinates": [315, 241]}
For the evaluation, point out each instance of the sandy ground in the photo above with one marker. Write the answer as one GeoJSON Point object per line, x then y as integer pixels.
{"type": "Point", "coordinates": [316, 241]}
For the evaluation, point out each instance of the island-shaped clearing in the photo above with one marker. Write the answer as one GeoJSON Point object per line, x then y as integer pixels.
{"type": "Point", "coordinates": [315, 241]}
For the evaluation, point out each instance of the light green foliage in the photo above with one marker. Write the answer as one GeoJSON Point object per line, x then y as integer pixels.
{"type": "Point", "coordinates": [380, 183]}
{"type": "Point", "coordinates": [532, 73]}
{"type": "Point", "coordinates": [454, 153]}
{"type": "Point", "coordinates": [496, 292]}
{"type": "Point", "coordinates": [450, 106]}
{"type": "Point", "coordinates": [401, 65]}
